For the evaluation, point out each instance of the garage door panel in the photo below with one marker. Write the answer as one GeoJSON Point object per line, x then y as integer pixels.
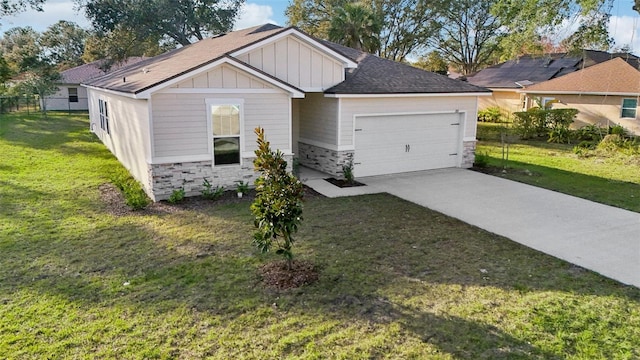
{"type": "Point", "coordinates": [403, 143]}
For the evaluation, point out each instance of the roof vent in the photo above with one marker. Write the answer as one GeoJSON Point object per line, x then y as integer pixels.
{"type": "Point", "coordinates": [145, 70]}
{"type": "Point", "coordinates": [524, 83]}
{"type": "Point", "coordinates": [124, 79]}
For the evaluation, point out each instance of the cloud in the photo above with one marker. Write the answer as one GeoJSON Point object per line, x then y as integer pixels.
{"type": "Point", "coordinates": [625, 30]}
{"type": "Point", "coordinates": [253, 14]}
{"type": "Point", "coordinates": [53, 11]}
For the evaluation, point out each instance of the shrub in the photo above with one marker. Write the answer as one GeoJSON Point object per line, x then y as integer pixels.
{"type": "Point", "coordinates": [134, 195]}
{"type": "Point", "coordinates": [209, 192]}
{"type": "Point", "coordinates": [481, 160]}
{"type": "Point", "coordinates": [591, 133]}
{"type": "Point", "coordinates": [242, 187]}
{"type": "Point", "coordinates": [347, 171]}
{"type": "Point", "coordinates": [492, 114]}
{"type": "Point", "coordinates": [617, 130]}
{"type": "Point", "coordinates": [176, 196]}
{"type": "Point", "coordinates": [553, 123]}
{"type": "Point", "coordinates": [277, 207]}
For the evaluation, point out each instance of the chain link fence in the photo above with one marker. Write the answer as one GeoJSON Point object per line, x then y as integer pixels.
{"type": "Point", "coordinates": [28, 103]}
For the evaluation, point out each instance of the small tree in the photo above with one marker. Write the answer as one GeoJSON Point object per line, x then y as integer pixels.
{"type": "Point", "coordinates": [278, 204]}
{"type": "Point", "coordinates": [41, 82]}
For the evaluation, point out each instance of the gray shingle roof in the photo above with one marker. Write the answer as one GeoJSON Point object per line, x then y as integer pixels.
{"type": "Point", "coordinates": [86, 72]}
{"type": "Point", "coordinates": [542, 68]}
{"type": "Point", "coordinates": [159, 69]}
{"type": "Point", "coordinates": [375, 75]}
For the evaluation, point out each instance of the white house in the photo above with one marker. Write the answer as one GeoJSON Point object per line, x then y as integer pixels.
{"type": "Point", "coordinates": [189, 114]}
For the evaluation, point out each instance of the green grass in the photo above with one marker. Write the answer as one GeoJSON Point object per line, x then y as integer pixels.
{"type": "Point", "coordinates": [612, 180]}
{"type": "Point", "coordinates": [397, 280]}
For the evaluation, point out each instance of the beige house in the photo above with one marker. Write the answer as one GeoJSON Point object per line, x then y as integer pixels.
{"type": "Point", "coordinates": [606, 94]}
{"type": "Point", "coordinates": [507, 80]}
{"type": "Point", "coordinates": [189, 115]}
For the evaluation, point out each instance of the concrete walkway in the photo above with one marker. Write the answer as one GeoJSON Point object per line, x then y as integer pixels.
{"type": "Point", "coordinates": [598, 237]}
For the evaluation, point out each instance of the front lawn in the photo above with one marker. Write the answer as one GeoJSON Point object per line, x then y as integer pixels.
{"type": "Point", "coordinates": [180, 281]}
{"type": "Point", "coordinates": [613, 179]}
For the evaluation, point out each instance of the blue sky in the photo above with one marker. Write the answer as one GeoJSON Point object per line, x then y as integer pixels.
{"type": "Point", "coordinates": [624, 26]}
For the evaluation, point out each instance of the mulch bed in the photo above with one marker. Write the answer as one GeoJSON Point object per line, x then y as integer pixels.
{"type": "Point", "coordinates": [115, 203]}
{"type": "Point", "coordinates": [275, 275]}
{"type": "Point", "coordinates": [341, 183]}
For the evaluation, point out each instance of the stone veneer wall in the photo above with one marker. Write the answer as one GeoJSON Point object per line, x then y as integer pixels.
{"type": "Point", "coordinates": [325, 160]}
{"type": "Point", "coordinates": [169, 177]}
{"type": "Point", "coordinates": [468, 154]}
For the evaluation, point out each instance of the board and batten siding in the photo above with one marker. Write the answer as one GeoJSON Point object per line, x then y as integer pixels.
{"type": "Point", "coordinates": [224, 76]}
{"type": "Point", "coordinates": [298, 63]}
{"type": "Point", "coordinates": [129, 138]}
{"type": "Point", "coordinates": [318, 119]}
{"type": "Point", "coordinates": [350, 107]}
{"type": "Point", "coordinates": [180, 122]}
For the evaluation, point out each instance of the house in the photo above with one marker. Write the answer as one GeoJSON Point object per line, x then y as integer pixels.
{"type": "Point", "coordinates": [506, 79]}
{"type": "Point", "coordinates": [70, 95]}
{"type": "Point", "coordinates": [189, 114]}
{"type": "Point", "coordinates": [605, 94]}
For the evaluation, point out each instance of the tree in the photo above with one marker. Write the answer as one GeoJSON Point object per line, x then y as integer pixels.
{"type": "Point", "coordinates": [64, 41]}
{"type": "Point", "coordinates": [434, 62]}
{"type": "Point", "coordinates": [355, 26]}
{"type": "Point", "coordinates": [8, 7]}
{"type": "Point", "coordinates": [278, 204]}
{"type": "Point", "coordinates": [183, 21]}
{"type": "Point", "coordinates": [406, 24]}
{"type": "Point", "coordinates": [525, 22]}
{"type": "Point", "coordinates": [469, 34]}
{"type": "Point", "coordinates": [41, 81]}
{"type": "Point", "coordinates": [593, 35]}
{"type": "Point", "coordinates": [119, 44]}
{"type": "Point", "coordinates": [21, 49]}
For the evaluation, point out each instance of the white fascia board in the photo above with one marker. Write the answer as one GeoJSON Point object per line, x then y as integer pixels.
{"type": "Point", "coordinates": [296, 93]}
{"type": "Point", "coordinates": [600, 93]}
{"type": "Point", "coordinates": [119, 93]}
{"type": "Point", "coordinates": [302, 36]}
{"type": "Point", "coordinates": [404, 95]}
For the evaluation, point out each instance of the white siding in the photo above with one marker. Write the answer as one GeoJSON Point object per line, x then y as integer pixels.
{"type": "Point", "coordinates": [180, 122]}
{"type": "Point", "coordinates": [224, 77]}
{"type": "Point", "coordinates": [129, 138]}
{"type": "Point", "coordinates": [60, 99]}
{"type": "Point", "coordinates": [298, 63]}
{"type": "Point", "coordinates": [318, 119]}
{"type": "Point", "coordinates": [351, 107]}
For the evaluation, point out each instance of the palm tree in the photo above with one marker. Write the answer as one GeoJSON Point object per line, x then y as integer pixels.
{"type": "Point", "coordinates": [356, 26]}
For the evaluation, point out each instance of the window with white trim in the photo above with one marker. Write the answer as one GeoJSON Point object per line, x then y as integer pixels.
{"type": "Point", "coordinates": [226, 126]}
{"type": "Point", "coordinates": [73, 95]}
{"type": "Point", "coordinates": [104, 115]}
{"type": "Point", "coordinates": [629, 108]}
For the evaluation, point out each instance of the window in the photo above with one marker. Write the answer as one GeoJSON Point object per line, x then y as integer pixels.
{"type": "Point", "coordinates": [104, 115]}
{"type": "Point", "coordinates": [225, 121]}
{"type": "Point", "coordinates": [629, 108]}
{"type": "Point", "coordinates": [73, 95]}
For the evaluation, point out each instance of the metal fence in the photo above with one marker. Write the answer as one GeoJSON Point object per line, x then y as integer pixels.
{"type": "Point", "coordinates": [26, 103]}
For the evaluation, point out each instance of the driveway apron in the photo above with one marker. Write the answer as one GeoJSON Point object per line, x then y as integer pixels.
{"type": "Point", "coordinates": [597, 237]}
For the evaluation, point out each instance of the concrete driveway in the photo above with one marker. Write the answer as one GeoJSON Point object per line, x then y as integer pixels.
{"type": "Point", "coordinates": [598, 237]}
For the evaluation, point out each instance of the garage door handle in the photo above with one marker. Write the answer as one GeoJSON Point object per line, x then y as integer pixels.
{"type": "Point", "coordinates": [455, 124]}
{"type": "Point", "coordinates": [358, 130]}
{"type": "Point", "coordinates": [357, 163]}
{"type": "Point", "coordinates": [453, 154]}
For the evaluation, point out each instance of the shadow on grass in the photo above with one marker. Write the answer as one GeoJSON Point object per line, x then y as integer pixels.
{"type": "Point", "coordinates": [53, 132]}
{"type": "Point", "coordinates": [622, 194]}
{"type": "Point", "coordinates": [365, 246]}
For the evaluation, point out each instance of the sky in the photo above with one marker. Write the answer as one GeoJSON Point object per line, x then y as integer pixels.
{"type": "Point", "coordinates": [624, 25]}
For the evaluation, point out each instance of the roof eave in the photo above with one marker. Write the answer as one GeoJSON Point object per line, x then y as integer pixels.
{"type": "Point", "coordinates": [577, 92]}
{"type": "Point", "coordinates": [378, 95]}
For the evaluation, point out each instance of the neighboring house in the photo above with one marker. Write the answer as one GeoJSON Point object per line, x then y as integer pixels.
{"type": "Point", "coordinates": [605, 94]}
{"type": "Point", "coordinates": [189, 114]}
{"type": "Point", "coordinates": [70, 95]}
{"type": "Point", "coordinates": [506, 80]}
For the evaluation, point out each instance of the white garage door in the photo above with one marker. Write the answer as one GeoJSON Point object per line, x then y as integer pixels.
{"type": "Point", "coordinates": [402, 143]}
